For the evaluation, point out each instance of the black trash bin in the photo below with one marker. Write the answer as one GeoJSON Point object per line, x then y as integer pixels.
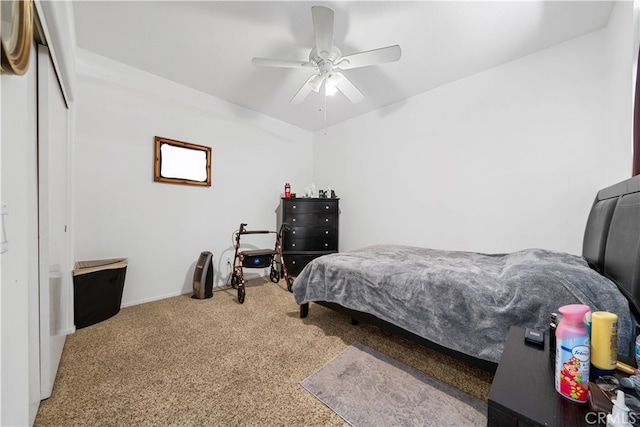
{"type": "Point", "coordinates": [97, 290]}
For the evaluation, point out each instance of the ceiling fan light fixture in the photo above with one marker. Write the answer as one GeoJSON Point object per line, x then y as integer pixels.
{"type": "Point", "coordinates": [328, 61]}
{"type": "Point", "coordinates": [315, 82]}
{"type": "Point", "coordinates": [330, 88]}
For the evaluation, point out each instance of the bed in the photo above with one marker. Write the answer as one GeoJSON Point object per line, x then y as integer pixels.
{"type": "Point", "coordinates": [463, 303]}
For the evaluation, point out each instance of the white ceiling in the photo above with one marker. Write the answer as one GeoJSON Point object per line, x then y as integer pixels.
{"type": "Point", "coordinates": [208, 45]}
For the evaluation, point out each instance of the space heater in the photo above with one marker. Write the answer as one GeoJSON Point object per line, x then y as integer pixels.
{"type": "Point", "coordinates": [203, 277]}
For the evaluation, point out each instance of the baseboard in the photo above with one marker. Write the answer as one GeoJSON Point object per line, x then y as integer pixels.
{"type": "Point", "coordinates": [247, 276]}
{"type": "Point", "coordinates": [68, 331]}
{"type": "Point", "coordinates": [155, 298]}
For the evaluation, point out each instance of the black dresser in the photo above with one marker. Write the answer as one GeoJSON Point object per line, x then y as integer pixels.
{"type": "Point", "coordinates": [313, 231]}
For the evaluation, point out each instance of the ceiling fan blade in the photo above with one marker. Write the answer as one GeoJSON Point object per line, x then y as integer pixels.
{"type": "Point", "coordinates": [303, 91]}
{"type": "Point", "coordinates": [370, 57]}
{"type": "Point", "coordinates": [280, 63]}
{"type": "Point", "coordinates": [323, 29]}
{"type": "Point", "coordinates": [344, 85]}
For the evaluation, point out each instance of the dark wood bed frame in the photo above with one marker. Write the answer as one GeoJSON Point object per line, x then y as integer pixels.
{"type": "Point", "coordinates": [611, 246]}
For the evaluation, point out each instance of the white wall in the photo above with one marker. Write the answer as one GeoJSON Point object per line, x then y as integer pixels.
{"type": "Point", "coordinates": [506, 159]}
{"type": "Point", "coordinates": [119, 211]}
{"type": "Point", "coordinates": [621, 57]}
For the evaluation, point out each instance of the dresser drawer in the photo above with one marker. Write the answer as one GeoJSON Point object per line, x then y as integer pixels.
{"type": "Point", "coordinates": [324, 243]}
{"type": "Point", "coordinates": [295, 206]}
{"type": "Point", "coordinates": [296, 262]}
{"type": "Point", "coordinates": [307, 220]}
{"type": "Point", "coordinates": [311, 232]}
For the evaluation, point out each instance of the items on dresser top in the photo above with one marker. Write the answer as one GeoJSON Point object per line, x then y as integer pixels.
{"type": "Point", "coordinates": [312, 230]}
{"type": "Point", "coordinates": [310, 192]}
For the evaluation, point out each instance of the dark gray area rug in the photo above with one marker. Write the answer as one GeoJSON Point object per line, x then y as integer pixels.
{"type": "Point", "coordinates": [368, 388]}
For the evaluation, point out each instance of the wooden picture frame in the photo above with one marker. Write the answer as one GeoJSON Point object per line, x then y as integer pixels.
{"type": "Point", "coordinates": [178, 162]}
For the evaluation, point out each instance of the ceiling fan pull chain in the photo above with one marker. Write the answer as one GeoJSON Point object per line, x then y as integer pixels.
{"type": "Point", "coordinates": [325, 102]}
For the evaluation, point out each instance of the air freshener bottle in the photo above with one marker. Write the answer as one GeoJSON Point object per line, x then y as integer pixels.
{"type": "Point", "coordinates": [572, 353]}
{"type": "Point", "coordinates": [287, 190]}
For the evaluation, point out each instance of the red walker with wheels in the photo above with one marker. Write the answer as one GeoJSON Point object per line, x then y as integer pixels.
{"type": "Point", "coordinates": [258, 258]}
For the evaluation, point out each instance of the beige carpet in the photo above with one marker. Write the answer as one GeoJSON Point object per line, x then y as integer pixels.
{"type": "Point", "coordinates": [186, 362]}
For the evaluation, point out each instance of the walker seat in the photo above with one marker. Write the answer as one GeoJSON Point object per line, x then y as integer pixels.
{"type": "Point", "coordinates": [257, 258]}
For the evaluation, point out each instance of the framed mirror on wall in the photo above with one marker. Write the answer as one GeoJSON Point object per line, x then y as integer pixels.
{"type": "Point", "coordinates": [178, 162]}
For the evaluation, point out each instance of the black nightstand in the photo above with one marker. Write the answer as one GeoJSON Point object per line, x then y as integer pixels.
{"type": "Point", "coordinates": [523, 392]}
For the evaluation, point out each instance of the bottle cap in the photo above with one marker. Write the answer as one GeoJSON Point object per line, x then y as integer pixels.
{"type": "Point", "coordinates": [574, 312]}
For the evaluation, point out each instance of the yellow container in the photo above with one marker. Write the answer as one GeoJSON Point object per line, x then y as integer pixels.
{"type": "Point", "coordinates": [604, 343]}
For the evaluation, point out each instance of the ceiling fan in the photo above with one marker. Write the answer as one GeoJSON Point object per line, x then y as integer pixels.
{"type": "Point", "coordinates": [328, 62]}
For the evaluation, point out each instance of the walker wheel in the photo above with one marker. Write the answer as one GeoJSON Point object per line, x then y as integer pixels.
{"type": "Point", "coordinates": [241, 295]}
{"type": "Point", "coordinates": [274, 275]}
{"type": "Point", "coordinates": [235, 280]}
{"type": "Point", "coordinates": [290, 284]}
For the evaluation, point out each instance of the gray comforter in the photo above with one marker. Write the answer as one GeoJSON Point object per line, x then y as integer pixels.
{"type": "Point", "coordinates": [465, 301]}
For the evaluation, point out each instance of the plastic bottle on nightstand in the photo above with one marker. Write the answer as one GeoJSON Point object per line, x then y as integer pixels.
{"type": "Point", "coordinates": [604, 343]}
{"type": "Point", "coordinates": [619, 416]}
{"type": "Point", "coordinates": [572, 353]}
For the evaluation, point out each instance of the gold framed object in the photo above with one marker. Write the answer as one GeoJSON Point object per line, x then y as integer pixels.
{"type": "Point", "coordinates": [16, 35]}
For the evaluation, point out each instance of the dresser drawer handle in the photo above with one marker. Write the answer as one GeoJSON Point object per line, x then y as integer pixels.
{"type": "Point", "coordinates": [326, 232]}
{"type": "Point", "coordinates": [294, 206]}
{"type": "Point", "coordinates": [326, 244]}
{"type": "Point", "coordinates": [293, 262]}
{"type": "Point", "coordinates": [326, 207]}
{"type": "Point", "coordinates": [293, 245]}
{"type": "Point", "coordinates": [326, 220]}
{"type": "Point", "coordinates": [293, 232]}
{"type": "Point", "coordinates": [293, 219]}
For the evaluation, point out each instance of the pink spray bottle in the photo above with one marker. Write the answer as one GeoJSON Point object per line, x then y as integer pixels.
{"type": "Point", "coordinates": [573, 353]}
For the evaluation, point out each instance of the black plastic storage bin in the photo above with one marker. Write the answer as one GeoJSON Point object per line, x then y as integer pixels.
{"type": "Point", "coordinates": [97, 290]}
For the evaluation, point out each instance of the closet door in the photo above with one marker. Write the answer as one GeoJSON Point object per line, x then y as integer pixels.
{"type": "Point", "coordinates": [19, 307]}
{"type": "Point", "coordinates": [55, 289]}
